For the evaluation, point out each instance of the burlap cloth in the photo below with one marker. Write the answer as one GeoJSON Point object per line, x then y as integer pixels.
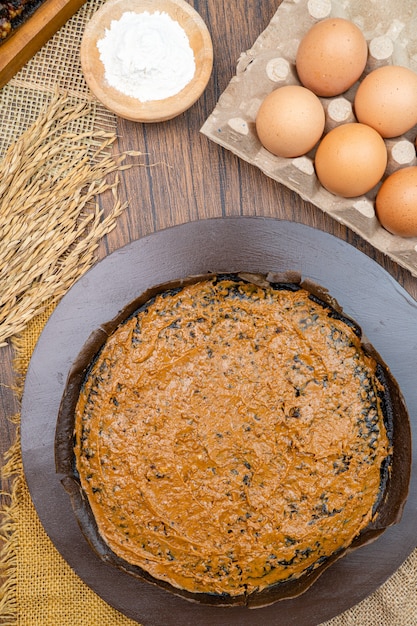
{"type": "Point", "coordinates": [39, 588]}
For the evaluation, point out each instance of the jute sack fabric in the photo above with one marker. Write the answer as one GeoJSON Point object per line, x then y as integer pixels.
{"type": "Point", "coordinates": [55, 66]}
{"type": "Point", "coordinates": [55, 160]}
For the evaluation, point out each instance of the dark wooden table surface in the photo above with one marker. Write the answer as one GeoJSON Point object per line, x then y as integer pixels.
{"type": "Point", "coordinates": [192, 178]}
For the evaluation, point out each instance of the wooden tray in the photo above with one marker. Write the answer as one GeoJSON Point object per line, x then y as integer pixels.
{"type": "Point", "coordinates": [386, 313]}
{"type": "Point", "coordinates": [33, 34]}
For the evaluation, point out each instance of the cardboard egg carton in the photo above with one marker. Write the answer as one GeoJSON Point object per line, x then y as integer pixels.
{"type": "Point", "coordinates": [390, 29]}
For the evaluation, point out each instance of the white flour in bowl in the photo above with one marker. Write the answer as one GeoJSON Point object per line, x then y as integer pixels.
{"type": "Point", "coordinates": [147, 55]}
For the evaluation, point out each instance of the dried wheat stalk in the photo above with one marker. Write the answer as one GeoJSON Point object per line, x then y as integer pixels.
{"type": "Point", "coordinates": [50, 222]}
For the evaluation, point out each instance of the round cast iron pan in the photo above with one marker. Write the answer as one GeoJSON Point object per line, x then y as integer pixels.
{"type": "Point", "coordinates": [394, 477]}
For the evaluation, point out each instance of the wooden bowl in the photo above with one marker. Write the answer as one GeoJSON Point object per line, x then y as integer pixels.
{"type": "Point", "coordinates": [127, 106]}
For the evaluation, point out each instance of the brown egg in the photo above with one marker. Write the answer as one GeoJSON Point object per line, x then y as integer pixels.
{"type": "Point", "coordinates": [351, 159]}
{"type": "Point", "coordinates": [386, 99]}
{"type": "Point", "coordinates": [331, 56]}
{"type": "Point", "coordinates": [396, 202]}
{"type": "Point", "coordinates": [290, 121]}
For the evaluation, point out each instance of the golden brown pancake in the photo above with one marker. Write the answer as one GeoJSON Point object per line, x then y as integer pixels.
{"type": "Point", "coordinates": [230, 436]}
